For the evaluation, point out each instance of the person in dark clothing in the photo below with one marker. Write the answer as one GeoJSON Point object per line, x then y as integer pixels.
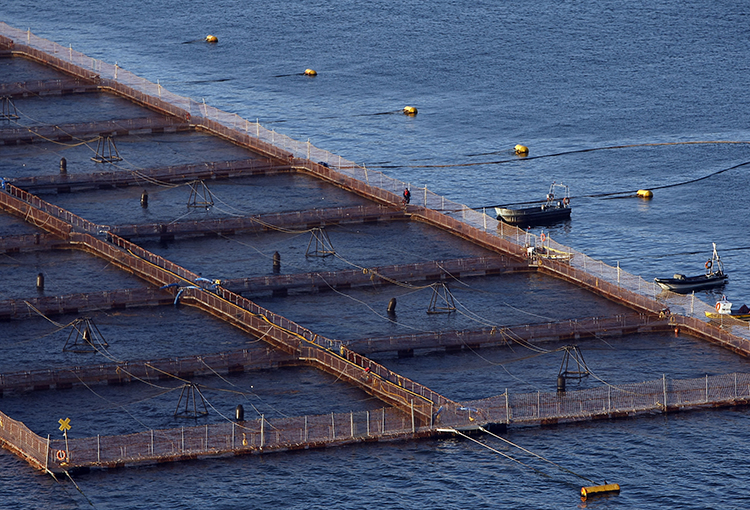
{"type": "Point", "coordinates": [407, 196]}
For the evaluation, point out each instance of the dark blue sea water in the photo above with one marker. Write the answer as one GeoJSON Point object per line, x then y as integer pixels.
{"type": "Point", "coordinates": [558, 77]}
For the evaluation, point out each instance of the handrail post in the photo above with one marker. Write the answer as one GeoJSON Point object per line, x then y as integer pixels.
{"type": "Point", "coordinates": [262, 430]}
{"type": "Point", "coordinates": [413, 429]}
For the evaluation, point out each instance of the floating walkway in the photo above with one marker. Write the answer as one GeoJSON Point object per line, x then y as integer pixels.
{"type": "Point", "coordinates": [67, 183]}
{"type": "Point", "coordinates": [302, 220]}
{"type": "Point", "coordinates": [433, 271]}
{"type": "Point", "coordinates": [89, 130]}
{"type": "Point", "coordinates": [50, 306]}
{"type": "Point", "coordinates": [276, 285]}
{"type": "Point", "coordinates": [558, 331]}
{"type": "Point", "coordinates": [46, 88]}
{"type": "Point", "coordinates": [31, 242]}
{"type": "Point", "coordinates": [184, 367]}
{"type": "Point", "coordinates": [261, 435]}
{"type": "Point", "coordinates": [243, 360]}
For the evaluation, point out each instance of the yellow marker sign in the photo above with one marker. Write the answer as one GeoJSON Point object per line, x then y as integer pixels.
{"type": "Point", "coordinates": [64, 424]}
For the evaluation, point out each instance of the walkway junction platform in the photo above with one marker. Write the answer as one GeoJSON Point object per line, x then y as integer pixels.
{"type": "Point", "coordinates": [411, 409]}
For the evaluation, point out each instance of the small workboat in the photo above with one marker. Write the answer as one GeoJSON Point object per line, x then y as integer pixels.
{"type": "Point", "coordinates": [544, 249]}
{"type": "Point", "coordinates": [555, 208]}
{"type": "Point", "coordinates": [714, 277]}
{"type": "Point", "coordinates": [724, 309]}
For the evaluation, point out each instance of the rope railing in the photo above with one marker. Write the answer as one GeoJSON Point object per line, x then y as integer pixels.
{"type": "Point", "coordinates": [267, 435]}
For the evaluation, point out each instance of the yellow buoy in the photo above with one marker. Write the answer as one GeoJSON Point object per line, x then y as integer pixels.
{"type": "Point", "coordinates": [310, 72]}
{"type": "Point", "coordinates": [410, 110]}
{"type": "Point", "coordinates": [521, 150]}
{"type": "Point", "coordinates": [599, 489]}
{"type": "Point", "coordinates": [645, 193]}
{"type": "Point", "coordinates": [212, 39]}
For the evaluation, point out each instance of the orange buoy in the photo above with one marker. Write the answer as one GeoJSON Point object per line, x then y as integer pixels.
{"type": "Point", "coordinates": [410, 110]}
{"type": "Point", "coordinates": [521, 150]}
{"type": "Point", "coordinates": [310, 72]}
{"type": "Point", "coordinates": [212, 39]}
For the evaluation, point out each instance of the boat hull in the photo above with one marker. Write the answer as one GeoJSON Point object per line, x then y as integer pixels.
{"type": "Point", "coordinates": [541, 215]}
{"type": "Point", "coordinates": [691, 283]}
{"type": "Point", "coordinates": [738, 316]}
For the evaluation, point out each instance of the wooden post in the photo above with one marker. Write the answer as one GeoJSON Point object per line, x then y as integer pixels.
{"type": "Point", "coordinates": [368, 412]}
{"type": "Point", "coordinates": [351, 422]}
{"type": "Point", "coordinates": [305, 428]}
{"type": "Point", "coordinates": [664, 385]}
{"type": "Point", "coordinates": [262, 430]}
{"type": "Point", "coordinates": [333, 428]}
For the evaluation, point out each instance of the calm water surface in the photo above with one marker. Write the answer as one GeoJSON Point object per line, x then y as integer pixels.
{"type": "Point", "coordinates": [555, 76]}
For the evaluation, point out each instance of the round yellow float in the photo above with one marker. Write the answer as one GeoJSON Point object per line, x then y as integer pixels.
{"type": "Point", "coordinates": [310, 72]}
{"type": "Point", "coordinates": [410, 110]}
{"type": "Point", "coordinates": [521, 150]}
{"type": "Point", "coordinates": [645, 193]}
{"type": "Point", "coordinates": [212, 39]}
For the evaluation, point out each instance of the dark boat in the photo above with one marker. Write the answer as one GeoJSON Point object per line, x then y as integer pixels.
{"type": "Point", "coordinates": [555, 209]}
{"type": "Point", "coordinates": [714, 277]}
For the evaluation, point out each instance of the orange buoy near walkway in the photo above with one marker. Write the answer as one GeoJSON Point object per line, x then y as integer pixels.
{"type": "Point", "coordinates": [599, 489]}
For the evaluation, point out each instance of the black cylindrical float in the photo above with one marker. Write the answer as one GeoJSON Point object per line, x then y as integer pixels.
{"type": "Point", "coordinates": [561, 384]}
{"type": "Point", "coordinates": [40, 281]}
{"type": "Point", "coordinates": [144, 199]}
{"type": "Point", "coordinates": [276, 262]}
{"type": "Point", "coordinates": [392, 305]}
{"type": "Point", "coordinates": [63, 166]}
{"type": "Point", "coordinates": [239, 413]}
